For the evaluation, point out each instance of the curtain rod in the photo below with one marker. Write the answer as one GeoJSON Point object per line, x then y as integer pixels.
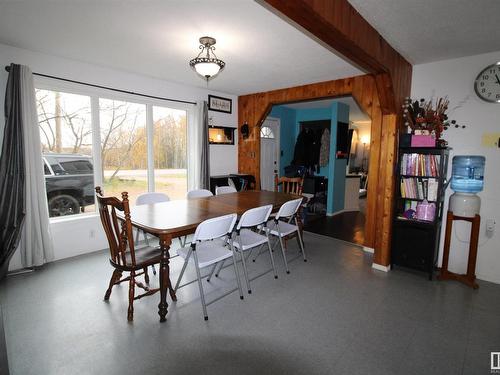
{"type": "Point", "coordinates": [7, 68]}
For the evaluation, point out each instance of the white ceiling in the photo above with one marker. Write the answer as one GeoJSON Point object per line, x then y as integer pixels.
{"type": "Point", "coordinates": [157, 38]}
{"type": "Point", "coordinates": [355, 112]}
{"type": "Point", "coordinates": [433, 30]}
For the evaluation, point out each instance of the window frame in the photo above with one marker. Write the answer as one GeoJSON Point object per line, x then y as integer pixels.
{"type": "Point", "coordinates": [95, 93]}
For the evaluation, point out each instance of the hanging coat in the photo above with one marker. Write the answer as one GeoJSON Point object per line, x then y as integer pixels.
{"type": "Point", "coordinates": [324, 152]}
{"type": "Point", "coordinates": [303, 149]}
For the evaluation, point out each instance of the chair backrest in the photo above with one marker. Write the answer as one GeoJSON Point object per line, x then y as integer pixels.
{"type": "Point", "coordinates": [215, 228]}
{"type": "Point", "coordinates": [118, 231]}
{"type": "Point", "coordinates": [255, 216]}
{"type": "Point", "coordinates": [225, 190]}
{"type": "Point", "coordinates": [150, 198]}
{"type": "Point", "coordinates": [198, 193]}
{"type": "Point", "coordinates": [289, 208]}
{"type": "Point", "coordinates": [290, 185]}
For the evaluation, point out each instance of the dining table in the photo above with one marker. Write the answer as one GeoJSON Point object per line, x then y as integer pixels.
{"type": "Point", "coordinates": [178, 218]}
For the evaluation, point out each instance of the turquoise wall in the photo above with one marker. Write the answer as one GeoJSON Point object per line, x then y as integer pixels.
{"type": "Point", "coordinates": [289, 128]}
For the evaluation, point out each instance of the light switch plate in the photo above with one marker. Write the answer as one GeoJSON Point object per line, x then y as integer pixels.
{"type": "Point", "coordinates": [490, 140]}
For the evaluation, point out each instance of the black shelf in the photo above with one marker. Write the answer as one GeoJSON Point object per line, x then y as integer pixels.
{"type": "Point", "coordinates": [416, 199]}
{"type": "Point", "coordinates": [415, 243]}
{"type": "Point", "coordinates": [415, 176]}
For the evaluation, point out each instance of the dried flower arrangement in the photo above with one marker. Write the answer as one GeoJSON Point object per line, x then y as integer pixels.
{"type": "Point", "coordinates": [428, 118]}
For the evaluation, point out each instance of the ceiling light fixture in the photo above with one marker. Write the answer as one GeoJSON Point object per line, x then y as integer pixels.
{"type": "Point", "coordinates": [208, 65]}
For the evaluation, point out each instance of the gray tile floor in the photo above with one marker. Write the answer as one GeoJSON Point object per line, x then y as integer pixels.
{"type": "Point", "coordinates": [332, 315]}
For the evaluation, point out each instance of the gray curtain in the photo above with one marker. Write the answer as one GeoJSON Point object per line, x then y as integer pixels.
{"type": "Point", "coordinates": [12, 178]}
{"type": "Point", "coordinates": [205, 149]}
{"type": "Point", "coordinates": [36, 240]}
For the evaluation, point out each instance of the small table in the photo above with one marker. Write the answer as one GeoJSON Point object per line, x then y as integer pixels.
{"type": "Point", "coordinates": [179, 218]}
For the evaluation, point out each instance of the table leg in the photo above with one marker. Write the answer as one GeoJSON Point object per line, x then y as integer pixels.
{"type": "Point", "coordinates": [164, 271]}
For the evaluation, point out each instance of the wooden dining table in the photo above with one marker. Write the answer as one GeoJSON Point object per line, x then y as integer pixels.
{"type": "Point", "coordinates": [177, 218]}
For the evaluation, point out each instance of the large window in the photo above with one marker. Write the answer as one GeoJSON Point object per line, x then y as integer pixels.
{"type": "Point", "coordinates": [143, 147]}
{"type": "Point", "coordinates": [170, 151]}
{"type": "Point", "coordinates": [124, 148]}
{"type": "Point", "coordinates": [66, 137]}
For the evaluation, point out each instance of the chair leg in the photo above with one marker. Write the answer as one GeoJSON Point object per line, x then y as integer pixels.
{"type": "Point", "coordinates": [131, 293]}
{"type": "Point", "coordinates": [212, 272]}
{"type": "Point", "coordinates": [200, 285]}
{"type": "Point", "coordinates": [236, 272]}
{"type": "Point", "coordinates": [182, 271]}
{"type": "Point", "coordinates": [220, 268]}
{"type": "Point", "coordinates": [282, 249]}
{"type": "Point", "coordinates": [272, 257]}
{"type": "Point", "coordinates": [117, 274]}
{"type": "Point", "coordinates": [146, 276]}
{"type": "Point", "coordinates": [137, 236]}
{"type": "Point", "coordinates": [301, 243]}
{"type": "Point", "coordinates": [245, 271]}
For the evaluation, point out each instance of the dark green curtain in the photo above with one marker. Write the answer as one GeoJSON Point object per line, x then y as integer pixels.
{"type": "Point", "coordinates": [12, 177]}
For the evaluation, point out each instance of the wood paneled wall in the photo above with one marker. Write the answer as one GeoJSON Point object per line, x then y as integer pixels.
{"type": "Point", "coordinates": [253, 109]}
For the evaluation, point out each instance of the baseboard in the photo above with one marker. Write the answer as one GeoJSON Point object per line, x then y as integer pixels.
{"type": "Point", "coordinates": [367, 249]}
{"type": "Point", "coordinates": [380, 267]}
{"type": "Point", "coordinates": [335, 213]}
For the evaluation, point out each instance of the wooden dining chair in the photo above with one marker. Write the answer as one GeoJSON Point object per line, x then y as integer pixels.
{"type": "Point", "coordinates": [289, 185]}
{"type": "Point", "coordinates": [123, 255]}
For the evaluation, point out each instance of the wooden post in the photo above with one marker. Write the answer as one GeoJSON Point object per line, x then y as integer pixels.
{"type": "Point", "coordinates": [469, 278]}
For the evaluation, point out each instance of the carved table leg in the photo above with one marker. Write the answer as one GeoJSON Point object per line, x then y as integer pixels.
{"type": "Point", "coordinates": [165, 241]}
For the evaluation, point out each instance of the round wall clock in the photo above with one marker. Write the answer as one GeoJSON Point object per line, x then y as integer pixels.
{"type": "Point", "coordinates": [487, 84]}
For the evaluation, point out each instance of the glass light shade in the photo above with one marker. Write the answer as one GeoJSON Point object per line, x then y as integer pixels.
{"type": "Point", "coordinates": [205, 69]}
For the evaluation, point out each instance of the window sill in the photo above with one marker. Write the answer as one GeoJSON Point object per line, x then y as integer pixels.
{"type": "Point", "coordinates": [64, 219]}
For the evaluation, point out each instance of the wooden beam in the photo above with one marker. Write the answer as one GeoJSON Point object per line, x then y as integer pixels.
{"type": "Point", "coordinates": [339, 26]}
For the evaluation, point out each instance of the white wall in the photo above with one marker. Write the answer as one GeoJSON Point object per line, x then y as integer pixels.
{"type": "Point", "coordinates": [73, 237]}
{"type": "Point", "coordinates": [455, 79]}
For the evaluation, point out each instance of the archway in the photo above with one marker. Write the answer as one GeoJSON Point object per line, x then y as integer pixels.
{"type": "Point", "coordinates": [253, 109]}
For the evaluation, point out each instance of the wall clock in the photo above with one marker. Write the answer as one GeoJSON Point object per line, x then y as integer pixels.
{"type": "Point", "coordinates": [487, 84]}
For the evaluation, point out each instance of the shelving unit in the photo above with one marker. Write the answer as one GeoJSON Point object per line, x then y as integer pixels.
{"type": "Point", "coordinates": [415, 243]}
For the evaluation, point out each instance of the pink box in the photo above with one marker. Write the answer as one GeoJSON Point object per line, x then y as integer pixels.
{"type": "Point", "coordinates": [423, 141]}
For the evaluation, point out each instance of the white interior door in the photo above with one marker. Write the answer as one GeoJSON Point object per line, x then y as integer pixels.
{"type": "Point", "coordinates": [269, 153]}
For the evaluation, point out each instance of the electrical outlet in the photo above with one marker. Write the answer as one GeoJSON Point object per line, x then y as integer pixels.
{"type": "Point", "coordinates": [490, 226]}
{"type": "Point", "coordinates": [92, 233]}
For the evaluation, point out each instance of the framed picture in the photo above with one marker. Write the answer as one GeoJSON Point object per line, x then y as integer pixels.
{"type": "Point", "coordinates": [219, 104]}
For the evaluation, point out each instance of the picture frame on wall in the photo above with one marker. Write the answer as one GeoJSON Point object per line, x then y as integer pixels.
{"type": "Point", "coordinates": [220, 104]}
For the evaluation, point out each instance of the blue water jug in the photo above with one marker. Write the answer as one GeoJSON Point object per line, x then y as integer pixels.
{"type": "Point", "coordinates": [467, 173]}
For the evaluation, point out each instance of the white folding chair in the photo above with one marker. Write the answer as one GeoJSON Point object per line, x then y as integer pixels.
{"type": "Point", "coordinates": [210, 246]}
{"type": "Point", "coordinates": [246, 239]}
{"type": "Point", "coordinates": [149, 198]}
{"type": "Point", "coordinates": [225, 190]}
{"type": "Point", "coordinates": [280, 228]}
{"type": "Point", "coordinates": [198, 193]}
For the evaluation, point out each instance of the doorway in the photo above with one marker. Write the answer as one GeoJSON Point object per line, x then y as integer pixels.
{"type": "Point", "coordinates": [269, 152]}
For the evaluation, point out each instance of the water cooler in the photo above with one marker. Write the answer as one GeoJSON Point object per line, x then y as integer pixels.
{"type": "Point", "coordinates": [466, 182]}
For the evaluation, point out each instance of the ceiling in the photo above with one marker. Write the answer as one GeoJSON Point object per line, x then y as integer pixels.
{"type": "Point", "coordinates": [157, 38]}
{"type": "Point", "coordinates": [432, 30]}
{"type": "Point", "coordinates": [356, 115]}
